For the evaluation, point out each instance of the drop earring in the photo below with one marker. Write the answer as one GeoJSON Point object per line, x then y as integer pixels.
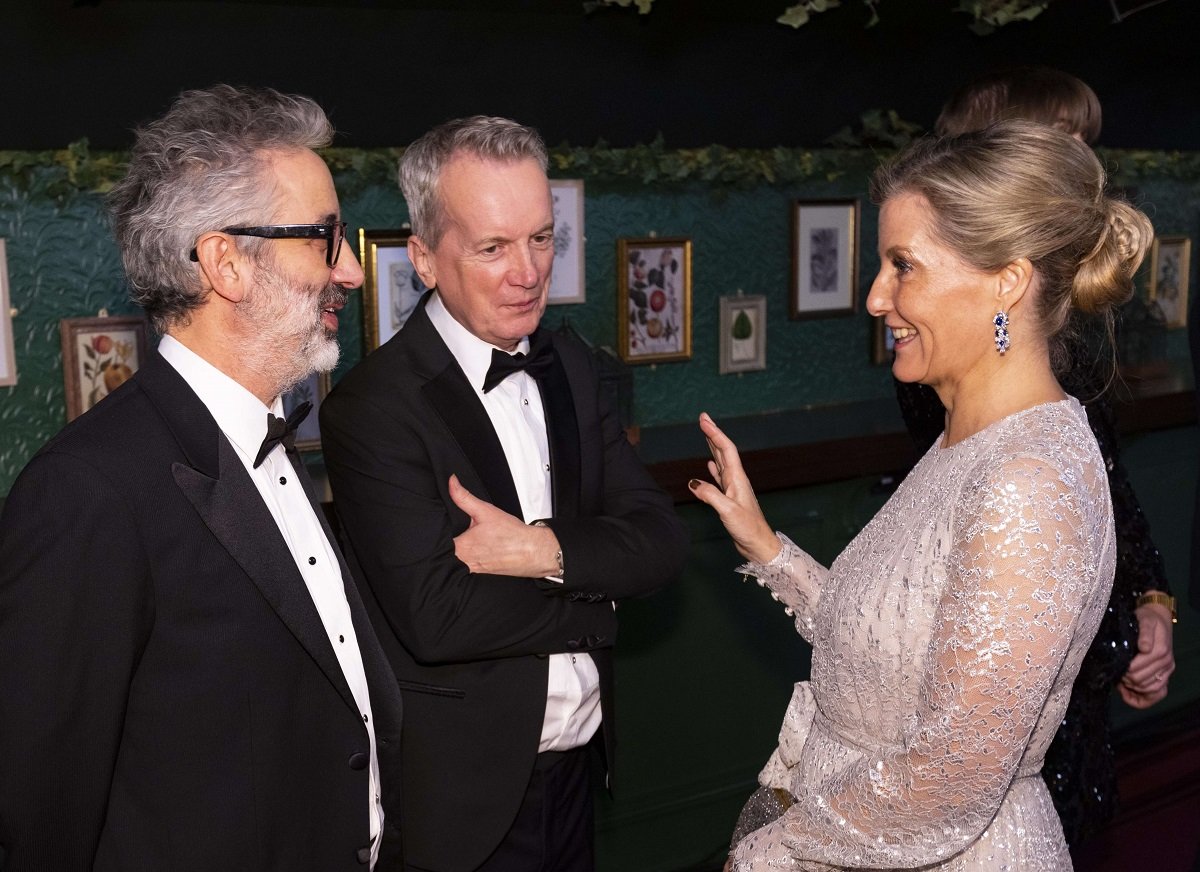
{"type": "Point", "coordinates": [1001, 323]}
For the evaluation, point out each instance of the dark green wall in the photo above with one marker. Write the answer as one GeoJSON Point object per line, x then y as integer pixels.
{"type": "Point", "coordinates": [63, 264]}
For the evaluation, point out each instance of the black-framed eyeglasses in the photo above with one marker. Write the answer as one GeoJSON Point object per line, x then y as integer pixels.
{"type": "Point", "coordinates": [333, 233]}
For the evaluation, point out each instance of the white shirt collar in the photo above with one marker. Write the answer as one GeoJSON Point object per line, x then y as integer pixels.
{"type": "Point", "coordinates": [473, 354]}
{"type": "Point", "coordinates": [241, 416]}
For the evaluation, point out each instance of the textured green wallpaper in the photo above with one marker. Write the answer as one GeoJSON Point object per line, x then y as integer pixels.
{"type": "Point", "coordinates": [62, 263]}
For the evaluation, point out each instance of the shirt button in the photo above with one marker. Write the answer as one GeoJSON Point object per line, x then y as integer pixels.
{"type": "Point", "coordinates": [312, 561]}
{"type": "Point", "coordinates": [525, 401]}
{"type": "Point", "coordinates": [341, 638]}
{"type": "Point", "coordinates": [283, 479]}
{"type": "Point", "coordinates": [547, 467]}
{"type": "Point", "coordinates": [364, 719]}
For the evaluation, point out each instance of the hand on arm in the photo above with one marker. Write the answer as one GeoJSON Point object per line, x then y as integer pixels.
{"type": "Point", "coordinates": [1145, 682]}
{"type": "Point", "coordinates": [497, 543]}
{"type": "Point", "coordinates": [386, 471]}
{"type": "Point", "coordinates": [733, 497]}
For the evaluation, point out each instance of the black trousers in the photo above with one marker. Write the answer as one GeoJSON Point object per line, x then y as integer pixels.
{"type": "Point", "coordinates": [554, 829]}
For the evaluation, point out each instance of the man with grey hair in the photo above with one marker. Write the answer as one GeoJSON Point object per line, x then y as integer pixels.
{"type": "Point", "coordinates": [498, 513]}
{"type": "Point", "coordinates": [188, 679]}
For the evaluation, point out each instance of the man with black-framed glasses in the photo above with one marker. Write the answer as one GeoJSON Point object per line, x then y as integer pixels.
{"type": "Point", "coordinates": [333, 232]}
{"type": "Point", "coordinates": [188, 678]}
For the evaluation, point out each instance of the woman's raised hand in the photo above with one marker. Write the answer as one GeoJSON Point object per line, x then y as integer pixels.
{"type": "Point", "coordinates": [733, 497]}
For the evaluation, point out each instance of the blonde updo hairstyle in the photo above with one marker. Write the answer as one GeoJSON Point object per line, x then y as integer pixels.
{"type": "Point", "coordinates": [1021, 189]}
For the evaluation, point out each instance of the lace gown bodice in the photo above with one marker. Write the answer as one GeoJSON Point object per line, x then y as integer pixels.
{"type": "Point", "coordinates": [945, 641]}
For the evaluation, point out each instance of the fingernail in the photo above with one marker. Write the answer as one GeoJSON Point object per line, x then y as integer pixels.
{"type": "Point", "coordinates": [693, 483]}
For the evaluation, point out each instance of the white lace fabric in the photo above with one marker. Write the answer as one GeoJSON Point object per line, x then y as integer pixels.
{"type": "Point", "coordinates": [946, 638]}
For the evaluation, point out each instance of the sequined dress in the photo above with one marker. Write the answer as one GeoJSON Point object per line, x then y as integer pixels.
{"type": "Point", "coordinates": [945, 641]}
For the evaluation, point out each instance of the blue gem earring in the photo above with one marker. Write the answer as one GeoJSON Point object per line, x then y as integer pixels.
{"type": "Point", "coordinates": [1001, 322]}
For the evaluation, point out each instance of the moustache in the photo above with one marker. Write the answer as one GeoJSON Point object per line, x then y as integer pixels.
{"type": "Point", "coordinates": [332, 296]}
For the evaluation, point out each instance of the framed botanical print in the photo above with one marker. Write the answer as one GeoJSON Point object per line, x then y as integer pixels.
{"type": "Point", "coordinates": [1170, 266]}
{"type": "Point", "coordinates": [98, 355]}
{"type": "Point", "coordinates": [654, 299]}
{"type": "Point", "coordinates": [8, 358]}
{"type": "Point", "coordinates": [391, 286]}
{"type": "Point", "coordinates": [824, 258]}
{"type": "Point", "coordinates": [743, 339]}
{"type": "Point", "coordinates": [567, 279]}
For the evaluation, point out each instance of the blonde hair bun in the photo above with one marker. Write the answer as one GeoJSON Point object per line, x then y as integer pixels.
{"type": "Point", "coordinates": [1105, 278]}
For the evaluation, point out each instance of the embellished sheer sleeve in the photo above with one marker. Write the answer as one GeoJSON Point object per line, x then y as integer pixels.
{"type": "Point", "coordinates": [794, 579]}
{"type": "Point", "coordinates": [1027, 571]}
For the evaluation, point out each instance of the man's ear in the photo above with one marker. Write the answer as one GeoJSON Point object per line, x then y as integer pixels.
{"type": "Point", "coordinates": [421, 256]}
{"type": "Point", "coordinates": [223, 268]}
{"type": "Point", "coordinates": [1013, 281]}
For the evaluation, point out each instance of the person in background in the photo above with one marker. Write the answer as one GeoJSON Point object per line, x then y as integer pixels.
{"type": "Point", "coordinates": [947, 635]}
{"type": "Point", "coordinates": [188, 680]}
{"type": "Point", "coordinates": [1132, 651]}
{"type": "Point", "coordinates": [498, 512]}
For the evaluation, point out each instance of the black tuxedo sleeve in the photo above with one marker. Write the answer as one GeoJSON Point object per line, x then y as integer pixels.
{"type": "Point", "coordinates": [632, 542]}
{"type": "Point", "coordinates": [75, 610]}
{"type": "Point", "coordinates": [389, 466]}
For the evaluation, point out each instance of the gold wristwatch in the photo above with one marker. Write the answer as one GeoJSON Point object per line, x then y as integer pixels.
{"type": "Point", "coordinates": [1163, 599]}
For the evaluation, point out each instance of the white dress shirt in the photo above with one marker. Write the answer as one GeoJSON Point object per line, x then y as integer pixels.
{"type": "Point", "coordinates": [515, 409]}
{"type": "Point", "coordinates": [242, 417]}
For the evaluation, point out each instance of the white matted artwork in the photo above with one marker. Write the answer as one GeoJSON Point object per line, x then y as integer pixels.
{"type": "Point", "coordinates": [743, 345]}
{"type": "Point", "coordinates": [312, 390]}
{"type": "Point", "coordinates": [654, 299]}
{"type": "Point", "coordinates": [8, 357]}
{"type": "Point", "coordinates": [1170, 269]}
{"type": "Point", "coordinates": [98, 356]}
{"type": "Point", "coordinates": [391, 286]}
{"type": "Point", "coordinates": [824, 258]}
{"type": "Point", "coordinates": [567, 281]}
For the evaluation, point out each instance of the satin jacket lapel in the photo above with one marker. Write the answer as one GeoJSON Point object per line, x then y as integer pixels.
{"type": "Point", "coordinates": [562, 433]}
{"type": "Point", "coordinates": [455, 402]}
{"type": "Point", "coordinates": [216, 483]}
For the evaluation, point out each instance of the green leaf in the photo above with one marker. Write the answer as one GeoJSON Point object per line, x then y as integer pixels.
{"type": "Point", "coordinates": [742, 328]}
{"type": "Point", "coordinates": [794, 16]}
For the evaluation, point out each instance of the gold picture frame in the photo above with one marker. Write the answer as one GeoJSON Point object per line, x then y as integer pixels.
{"type": "Point", "coordinates": [98, 355]}
{"type": "Point", "coordinates": [1170, 272]}
{"type": "Point", "coordinates": [824, 259]}
{"type": "Point", "coordinates": [391, 286]}
{"type": "Point", "coordinates": [654, 299]}
{"type": "Point", "coordinates": [8, 357]}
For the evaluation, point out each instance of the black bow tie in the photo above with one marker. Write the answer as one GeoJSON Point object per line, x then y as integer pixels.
{"type": "Point", "coordinates": [536, 363]}
{"type": "Point", "coordinates": [279, 430]}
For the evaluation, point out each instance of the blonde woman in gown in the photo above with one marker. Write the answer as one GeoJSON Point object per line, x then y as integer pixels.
{"type": "Point", "coordinates": [947, 635]}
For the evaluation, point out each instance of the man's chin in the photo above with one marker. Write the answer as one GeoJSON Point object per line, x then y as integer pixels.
{"type": "Point", "coordinates": [325, 358]}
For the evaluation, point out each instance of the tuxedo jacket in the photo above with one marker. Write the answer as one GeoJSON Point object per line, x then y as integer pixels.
{"type": "Point", "coordinates": [469, 650]}
{"type": "Point", "coordinates": [169, 698]}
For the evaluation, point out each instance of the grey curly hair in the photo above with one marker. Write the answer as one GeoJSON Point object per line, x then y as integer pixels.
{"type": "Point", "coordinates": [196, 169]}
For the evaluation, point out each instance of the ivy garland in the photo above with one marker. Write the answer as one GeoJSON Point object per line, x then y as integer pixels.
{"type": "Point", "coordinates": [76, 169]}
{"type": "Point", "coordinates": [986, 15]}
